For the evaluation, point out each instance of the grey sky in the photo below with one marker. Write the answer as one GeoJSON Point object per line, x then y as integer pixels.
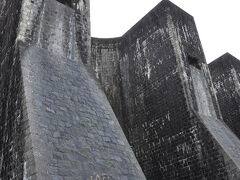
{"type": "Point", "coordinates": [218, 21]}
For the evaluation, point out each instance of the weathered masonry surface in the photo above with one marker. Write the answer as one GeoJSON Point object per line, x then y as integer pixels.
{"type": "Point", "coordinates": [56, 123]}
{"type": "Point", "coordinates": [105, 63]}
{"type": "Point", "coordinates": [168, 107]}
{"type": "Point", "coordinates": [11, 109]}
{"type": "Point", "coordinates": [225, 73]}
{"type": "Point", "coordinates": [141, 106]}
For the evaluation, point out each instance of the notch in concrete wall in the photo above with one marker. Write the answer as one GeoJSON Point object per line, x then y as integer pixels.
{"type": "Point", "coordinates": [193, 61]}
{"type": "Point", "coordinates": [66, 2]}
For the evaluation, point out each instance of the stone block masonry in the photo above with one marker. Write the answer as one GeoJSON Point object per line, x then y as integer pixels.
{"type": "Point", "coordinates": [105, 63]}
{"type": "Point", "coordinates": [56, 122]}
{"type": "Point", "coordinates": [11, 109]}
{"type": "Point", "coordinates": [170, 113]}
{"type": "Point", "coordinates": [225, 73]}
{"type": "Point", "coordinates": [35, 14]}
{"type": "Point", "coordinates": [83, 33]}
{"type": "Point", "coordinates": [74, 132]}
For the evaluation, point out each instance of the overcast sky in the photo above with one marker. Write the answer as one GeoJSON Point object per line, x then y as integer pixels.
{"type": "Point", "coordinates": [218, 21]}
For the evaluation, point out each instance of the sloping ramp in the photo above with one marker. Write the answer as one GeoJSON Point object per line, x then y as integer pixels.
{"type": "Point", "coordinates": [74, 133]}
{"type": "Point", "coordinates": [228, 143]}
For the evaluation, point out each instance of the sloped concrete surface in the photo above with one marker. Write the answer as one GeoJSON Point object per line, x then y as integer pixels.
{"type": "Point", "coordinates": [75, 134]}
{"type": "Point", "coordinates": [229, 144]}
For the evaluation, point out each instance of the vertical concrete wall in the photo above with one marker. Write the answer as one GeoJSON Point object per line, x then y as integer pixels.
{"type": "Point", "coordinates": [225, 72]}
{"type": "Point", "coordinates": [11, 110]}
{"type": "Point", "coordinates": [105, 63]}
{"type": "Point", "coordinates": [160, 96]}
{"type": "Point", "coordinates": [83, 32]}
{"type": "Point", "coordinates": [32, 21]}
{"type": "Point", "coordinates": [161, 109]}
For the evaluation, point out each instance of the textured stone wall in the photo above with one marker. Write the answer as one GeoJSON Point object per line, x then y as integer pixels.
{"type": "Point", "coordinates": [105, 63]}
{"type": "Point", "coordinates": [56, 122]}
{"type": "Point", "coordinates": [166, 139]}
{"type": "Point", "coordinates": [225, 73]}
{"type": "Point", "coordinates": [166, 122]}
{"type": "Point", "coordinates": [73, 132]}
{"type": "Point", "coordinates": [35, 20]}
{"type": "Point", "coordinates": [83, 33]}
{"type": "Point", "coordinates": [11, 111]}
